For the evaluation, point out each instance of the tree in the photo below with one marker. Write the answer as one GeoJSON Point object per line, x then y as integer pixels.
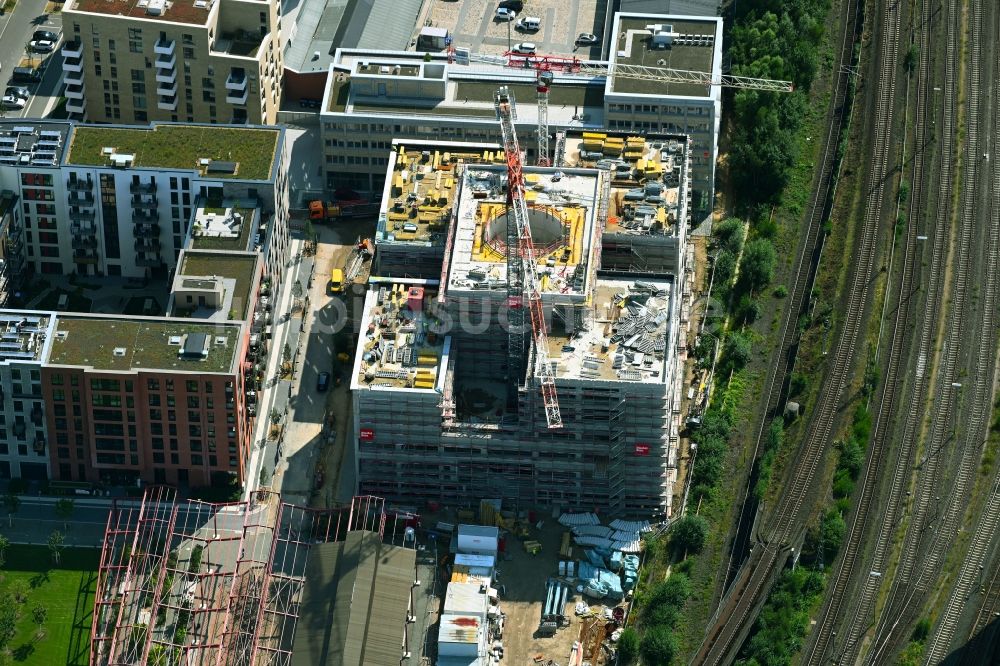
{"type": "Point", "coordinates": [831, 534]}
{"type": "Point", "coordinates": [628, 647]}
{"type": "Point", "coordinates": [19, 590]}
{"type": "Point", "coordinates": [736, 353]}
{"type": "Point", "coordinates": [64, 509]}
{"type": "Point", "coordinates": [4, 544]}
{"type": "Point", "coordinates": [265, 476]}
{"type": "Point", "coordinates": [8, 621]}
{"type": "Point", "coordinates": [730, 233]}
{"type": "Point", "coordinates": [757, 266]}
{"type": "Point", "coordinates": [658, 646]}
{"type": "Point", "coordinates": [38, 615]}
{"type": "Point", "coordinates": [56, 544]}
{"type": "Point", "coordinates": [725, 267]}
{"type": "Point", "coordinates": [689, 535]}
{"type": "Point", "coordinates": [12, 502]}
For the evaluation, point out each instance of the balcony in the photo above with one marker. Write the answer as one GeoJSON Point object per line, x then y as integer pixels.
{"type": "Point", "coordinates": [166, 89]}
{"type": "Point", "coordinates": [165, 61]}
{"type": "Point", "coordinates": [148, 231]}
{"type": "Point", "coordinates": [167, 103]}
{"type": "Point", "coordinates": [237, 97]}
{"type": "Point", "coordinates": [74, 91]}
{"type": "Point", "coordinates": [143, 202]}
{"type": "Point", "coordinates": [73, 78]}
{"type": "Point", "coordinates": [81, 216]}
{"type": "Point", "coordinates": [81, 198]}
{"type": "Point", "coordinates": [164, 47]}
{"type": "Point", "coordinates": [237, 81]}
{"type": "Point", "coordinates": [73, 65]}
{"type": "Point", "coordinates": [145, 218]}
{"type": "Point", "coordinates": [148, 262]}
{"type": "Point", "coordinates": [142, 188]}
{"type": "Point", "coordinates": [76, 105]}
{"type": "Point", "coordinates": [84, 242]}
{"type": "Point", "coordinates": [166, 76]}
{"type": "Point", "coordinates": [147, 244]}
{"type": "Point", "coordinates": [83, 229]}
{"type": "Point", "coordinates": [72, 49]}
{"type": "Point", "coordinates": [39, 443]}
{"type": "Point", "coordinates": [79, 185]}
{"type": "Point", "coordinates": [84, 257]}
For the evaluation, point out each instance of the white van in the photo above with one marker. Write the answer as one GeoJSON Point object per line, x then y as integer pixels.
{"type": "Point", "coordinates": [525, 48]}
{"type": "Point", "coordinates": [529, 23]}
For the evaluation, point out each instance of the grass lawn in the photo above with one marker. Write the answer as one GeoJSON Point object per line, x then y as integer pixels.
{"type": "Point", "coordinates": [66, 591]}
{"type": "Point", "coordinates": [75, 302]}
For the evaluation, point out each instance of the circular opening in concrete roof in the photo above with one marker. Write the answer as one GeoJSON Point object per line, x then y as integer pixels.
{"type": "Point", "coordinates": [546, 229]}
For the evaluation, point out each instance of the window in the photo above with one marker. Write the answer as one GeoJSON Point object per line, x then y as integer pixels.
{"type": "Point", "coordinates": [140, 117]}
{"type": "Point", "coordinates": [188, 53]}
{"type": "Point", "coordinates": [208, 96]}
{"type": "Point", "coordinates": [138, 88]}
{"type": "Point", "coordinates": [138, 101]}
{"type": "Point", "coordinates": [111, 45]}
{"type": "Point", "coordinates": [187, 39]}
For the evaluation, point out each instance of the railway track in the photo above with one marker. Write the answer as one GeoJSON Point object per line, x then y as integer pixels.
{"type": "Point", "coordinates": [784, 528]}
{"type": "Point", "coordinates": [970, 576]}
{"type": "Point", "coordinates": [923, 552]}
{"type": "Point", "coordinates": [856, 610]}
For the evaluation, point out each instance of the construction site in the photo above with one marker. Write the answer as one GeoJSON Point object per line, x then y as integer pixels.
{"type": "Point", "coordinates": [524, 335]}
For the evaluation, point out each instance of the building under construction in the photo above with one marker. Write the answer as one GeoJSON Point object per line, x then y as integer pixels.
{"type": "Point", "coordinates": [448, 405]}
{"type": "Point", "coordinates": [198, 583]}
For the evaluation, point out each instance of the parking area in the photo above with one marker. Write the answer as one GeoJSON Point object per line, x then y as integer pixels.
{"type": "Point", "coordinates": [474, 24]}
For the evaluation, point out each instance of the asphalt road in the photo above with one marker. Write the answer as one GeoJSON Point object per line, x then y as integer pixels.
{"type": "Point", "coordinates": [15, 32]}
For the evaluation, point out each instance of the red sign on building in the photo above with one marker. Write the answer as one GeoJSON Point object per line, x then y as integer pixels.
{"type": "Point", "coordinates": [642, 449]}
{"type": "Point", "coordinates": [366, 434]}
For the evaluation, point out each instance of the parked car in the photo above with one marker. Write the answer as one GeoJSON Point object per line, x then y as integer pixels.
{"type": "Point", "coordinates": [504, 14]}
{"type": "Point", "coordinates": [13, 102]}
{"type": "Point", "coordinates": [529, 23]}
{"type": "Point", "coordinates": [42, 45]}
{"type": "Point", "coordinates": [526, 48]}
{"type": "Point", "coordinates": [18, 91]}
{"type": "Point", "coordinates": [323, 382]}
{"type": "Point", "coordinates": [586, 39]}
{"type": "Point", "coordinates": [47, 35]}
{"type": "Point", "coordinates": [26, 75]}
{"type": "Point", "coordinates": [513, 5]}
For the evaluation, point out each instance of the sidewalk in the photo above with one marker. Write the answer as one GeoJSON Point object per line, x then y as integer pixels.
{"type": "Point", "coordinates": [262, 453]}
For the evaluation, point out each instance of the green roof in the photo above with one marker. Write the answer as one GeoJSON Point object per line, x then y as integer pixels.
{"type": "Point", "coordinates": [146, 343]}
{"type": "Point", "coordinates": [679, 56]}
{"type": "Point", "coordinates": [180, 147]}
{"type": "Point", "coordinates": [239, 267]}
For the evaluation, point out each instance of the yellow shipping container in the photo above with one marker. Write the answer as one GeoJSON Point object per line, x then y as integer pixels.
{"type": "Point", "coordinates": [594, 136]}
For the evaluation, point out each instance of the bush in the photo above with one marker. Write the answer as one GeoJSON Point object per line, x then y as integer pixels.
{"type": "Point", "coordinates": [658, 646]}
{"type": "Point", "coordinates": [736, 353]}
{"type": "Point", "coordinates": [628, 647]}
{"type": "Point", "coordinates": [730, 234]}
{"type": "Point", "coordinates": [757, 265]}
{"type": "Point", "coordinates": [780, 291]}
{"type": "Point", "coordinates": [689, 535]}
{"type": "Point", "coordinates": [777, 634]}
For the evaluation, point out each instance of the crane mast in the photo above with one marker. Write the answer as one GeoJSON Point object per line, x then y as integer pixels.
{"type": "Point", "coordinates": [522, 275]}
{"type": "Point", "coordinates": [542, 88]}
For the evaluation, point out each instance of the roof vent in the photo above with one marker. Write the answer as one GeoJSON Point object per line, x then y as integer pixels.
{"type": "Point", "coordinates": [156, 7]}
{"type": "Point", "coordinates": [204, 161]}
{"type": "Point", "coordinates": [62, 335]}
{"type": "Point", "coordinates": [120, 352]}
{"type": "Point", "coordinates": [175, 340]}
{"type": "Point", "coordinates": [107, 150]}
{"type": "Point", "coordinates": [221, 340]}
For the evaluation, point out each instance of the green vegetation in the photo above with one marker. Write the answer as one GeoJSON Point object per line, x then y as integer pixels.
{"type": "Point", "coordinates": [628, 647]}
{"type": "Point", "coordinates": [74, 301]}
{"type": "Point", "coordinates": [239, 267]}
{"type": "Point", "coordinates": [688, 536]}
{"type": "Point", "coordinates": [45, 612]}
{"type": "Point", "coordinates": [777, 634]}
{"type": "Point", "coordinates": [765, 466]}
{"type": "Point", "coordinates": [180, 147]}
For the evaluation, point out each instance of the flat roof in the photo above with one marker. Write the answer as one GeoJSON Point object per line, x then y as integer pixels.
{"type": "Point", "coordinates": [40, 143]}
{"type": "Point", "coordinates": [634, 45]}
{"type": "Point", "coordinates": [25, 335]}
{"type": "Point", "coordinates": [355, 602]}
{"type": "Point", "coordinates": [223, 227]}
{"type": "Point", "coordinates": [126, 343]}
{"type": "Point", "coordinates": [648, 187]}
{"type": "Point", "coordinates": [420, 188]}
{"type": "Point", "coordinates": [402, 344]}
{"type": "Point", "coordinates": [175, 11]}
{"type": "Point", "coordinates": [170, 146]}
{"type": "Point", "coordinates": [561, 215]}
{"type": "Point", "coordinates": [238, 267]}
{"type": "Point", "coordinates": [627, 340]}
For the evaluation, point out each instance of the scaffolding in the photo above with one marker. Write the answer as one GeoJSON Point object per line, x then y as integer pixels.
{"type": "Point", "coordinates": [199, 583]}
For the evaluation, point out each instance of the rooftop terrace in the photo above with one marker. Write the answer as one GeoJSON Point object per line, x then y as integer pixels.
{"type": "Point", "coordinates": [176, 11]}
{"type": "Point", "coordinates": [402, 344]}
{"type": "Point", "coordinates": [561, 212]}
{"type": "Point", "coordinates": [647, 177]}
{"type": "Point", "coordinates": [420, 189]}
{"type": "Point", "coordinates": [682, 44]}
{"type": "Point", "coordinates": [223, 227]}
{"type": "Point", "coordinates": [627, 340]}
{"type": "Point", "coordinates": [125, 343]}
{"type": "Point", "coordinates": [168, 146]}
{"type": "Point", "coordinates": [238, 267]}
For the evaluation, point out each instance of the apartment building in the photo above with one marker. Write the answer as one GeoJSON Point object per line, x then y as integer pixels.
{"type": "Point", "coordinates": [25, 340]}
{"type": "Point", "coordinates": [203, 61]}
{"type": "Point", "coordinates": [373, 97]}
{"type": "Point", "coordinates": [446, 411]}
{"type": "Point", "coordinates": [108, 200]}
{"type": "Point", "coordinates": [12, 259]}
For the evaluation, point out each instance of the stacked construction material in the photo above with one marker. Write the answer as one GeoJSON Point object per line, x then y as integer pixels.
{"type": "Point", "coordinates": [599, 583]}
{"type": "Point", "coordinates": [630, 572]}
